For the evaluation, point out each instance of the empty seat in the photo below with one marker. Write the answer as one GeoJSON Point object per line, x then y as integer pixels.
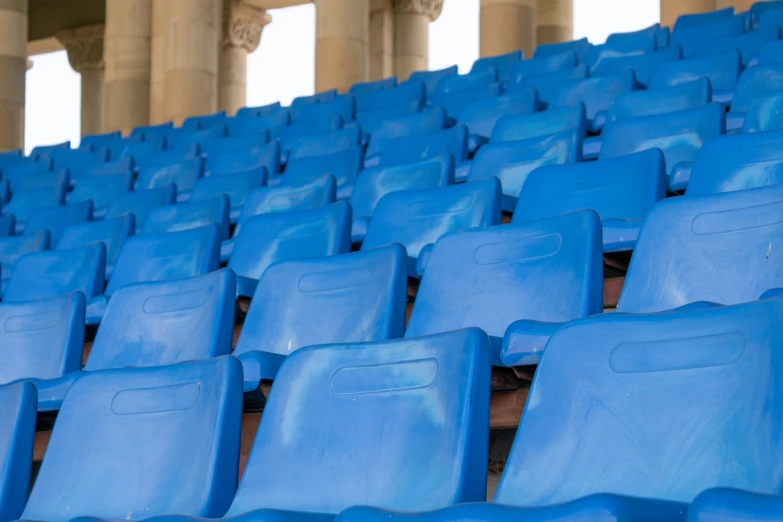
{"type": "Point", "coordinates": [319, 97]}
{"type": "Point", "coordinates": [749, 44]}
{"type": "Point", "coordinates": [659, 101]}
{"type": "Point", "coordinates": [266, 156]}
{"type": "Point", "coordinates": [661, 35]}
{"type": "Point", "coordinates": [236, 186]}
{"type": "Point", "coordinates": [595, 93]}
{"type": "Point", "coordinates": [580, 47]}
{"type": "Point", "coordinates": [480, 116]}
{"type": "Point", "coordinates": [453, 102]}
{"type": "Point", "coordinates": [185, 139]}
{"type": "Point", "coordinates": [342, 166]}
{"type": "Point", "coordinates": [643, 65]}
{"type": "Point", "coordinates": [432, 78]}
{"type": "Point", "coordinates": [410, 92]}
{"type": "Point", "coordinates": [620, 45]}
{"type": "Point", "coordinates": [240, 127]}
{"type": "Point", "coordinates": [183, 175]}
{"type": "Point", "coordinates": [259, 111]}
{"type": "Point", "coordinates": [193, 214]}
{"type": "Point", "coordinates": [343, 106]}
{"type": "Point", "coordinates": [759, 9]}
{"type": "Point", "coordinates": [135, 416]}
{"type": "Point", "coordinates": [764, 113]}
{"type": "Point", "coordinates": [323, 144]}
{"type": "Point", "coordinates": [42, 152]}
{"type": "Point", "coordinates": [293, 132]}
{"type": "Point", "coordinates": [409, 149]}
{"type": "Point", "coordinates": [204, 122]}
{"type": "Point", "coordinates": [76, 158]}
{"type": "Point", "coordinates": [425, 122]}
{"type": "Point", "coordinates": [14, 247]}
{"type": "Point", "coordinates": [721, 69]}
{"type": "Point", "coordinates": [111, 232]}
{"type": "Point", "coordinates": [548, 85]}
{"type": "Point", "coordinates": [57, 219]}
{"type": "Point", "coordinates": [165, 158]}
{"type": "Point", "coordinates": [93, 142]}
{"type": "Point", "coordinates": [111, 168]}
{"type": "Point", "coordinates": [417, 218]}
{"type": "Point", "coordinates": [752, 82]}
{"type": "Point", "coordinates": [101, 190]}
{"type": "Point", "coordinates": [275, 121]}
{"type": "Point", "coordinates": [316, 301]}
{"type": "Point", "coordinates": [151, 132]}
{"type": "Point", "coordinates": [554, 63]}
{"type": "Point", "coordinates": [734, 505]}
{"type": "Point", "coordinates": [503, 63]}
{"type": "Point", "coordinates": [525, 126]}
{"type": "Point", "coordinates": [138, 150]}
{"type": "Point", "coordinates": [268, 238]}
{"type": "Point", "coordinates": [141, 202]}
{"type": "Point", "coordinates": [7, 225]}
{"type": "Point", "coordinates": [377, 85]}
{"type": "Point", "coordinates": [512, 161]}
{"type": "Point", "coordinates": [236, 144]}
{"type": "Point", "coordinates": [771, 53]}
{"type": "Point", "coordinates": [24, 202]}
{"type": "Point", "coordinates": [687, 21]}
{"type": "Point", "coordinates": [370, 121]}
{"type": "Point", "coordinates": [18, 404]}
{"type": "Point", "coordinates": [544, 271]}
{"type": "Point", "coordinates": [20, 171]}
{"type": "Point", "coordinates": [622, 190]}
{"type": "Point", "coordinates": [467, 82]}
{"type": "Point", "coordinates": [687, 37]}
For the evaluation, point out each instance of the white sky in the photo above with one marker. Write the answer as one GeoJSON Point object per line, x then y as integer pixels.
{"type": "Point", "coordinates": [283, 65]}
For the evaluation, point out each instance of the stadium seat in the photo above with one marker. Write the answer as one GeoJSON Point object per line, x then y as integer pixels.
{"type": "Point", "coordinates": [293, 132]}
{"type": "Point", "coordinates": [765, 113]}
{"type": "Point", "coordinates": [678, 134]}
{"type": "Point", "coordinates": [343, 106]}
{"type": "Point", "coordinates": [24, 202]}
{"type": "Point", "coordinates": [43, 152]}
{"type": "Point", "coordinates": [239, 127]}
{"type": "Point", "coordinates": [323, 144]}
{"type": "Point", "coordinates": [101, 190]}
{"type": "Point", "coordinates": [274, 122]}
{"type": "Point", "coordinates": [503, 63]}
{"type": "Point", "coordinates": [151, 132]}
{"type": "Point", "coordinates": [722, 69]}
{"type": "Point", "coordinates": [687, 37]}
{"type": "Point", "coordinates": [688, 21]}
{"type": "Point", "coordinates": [259, 111]}
{"type": "Point", "coordinates": [771, 54]}
{"type": "Point", "coordinates": [526, 126]}
{"type": "Point", "coordinates": [734, 505]}
{"type": "Point", "coordinates": [235, 144]}
{"type": "Point", "coordinates": [267, 156]}
{"type": "Point", "coordinates": [376, 182]}
{"type": "Point", "coordinates": [467, 82]}
{"type": "Point", "coordinates": [111, 232]}
{"type": "Point", "coordinates": [622, 44]}
{"type": "Point", "coordinates": [480, 116]}
{"type": "Point", "coordinates": [661, 36]}
{"type": "Point", "coordinates": [595, 93]}
{"type": "Point", "coordinates": [580, 47]}
{"type": "Point", "coordinates": [14, 247]}
{"type": "Point", "coordinates": [432, 78]}
{"type": "Point", "coordinates": [76, 158]}
{"type": "Point", "coordinates": [643, 65]}
{"type": "Point", "coordinates": [16, 442]}
{"type": "Point", "coordinates": [307, 302]}
{"type": "Point", "coordinates": [453, 102]}
{"type": "Point", "coordinates": [425, 122]}
{"type": "Point", "coordinates": [547, 85]}
{"type": "Point", "coordinates": [512, 161]}
{"type": "Point", "coordinates": [412, 91]}
{"type": "Point", "coordinates": [57, 219]}
{"type": "Point", "coordinates": [141, 202]}
{"type": "Point", "coordinates": [758, 10]}
{"type": "Point", "coordinates": [417, 218]}
{"type": "Point", "coordinates": [267, 238]}
{"type": "Point", "coordinates": [204, 122]}
{"type": "Point", "coordinates": [7, 225]}
{"type": "Point", "coordinates": [165, 158]}
{"type": "Point", "coordinates": [752, 82]}
{"type": "Point", "coordinates": [185, 139]}
{"type": "Point", "coordinates": [749, 44]}
{"type": "Point", "coordinates": [622, 190]}
{"type": "Point", "coordinates": [342, 166]}
{"type": "Point", "coordinates": [94, 142]}
{"type": "Point", "coordinates": [659, 101]}
{"type": "Point", "coordinates": [555, 63]}
{"type": "Point", "coordinates": [183, 175]}
{"type": "Point", "coordinates": [319, 97]}
{"type": "Point", "coordinates": [377, 85]}
{"type": "Point", "coordinates": [193, 214]}
{"type": "Point", "coordinates": [137, 150]}
{"type": "Point", "coordinates": [370, 121]}
{"type": "Point", "coordinates": [20, 171]}
{"type": "Point", "coordinates": [236, 186]}
{"type": "Point", "coordinates": [190, 413]}
{"type": "Point", "coordinates": [123, 166]}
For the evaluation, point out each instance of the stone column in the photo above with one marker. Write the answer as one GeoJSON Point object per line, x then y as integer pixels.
{"type": "Point", "coordinates": [342, 37]}
{"type": "Point", "coordinates": [85, 54]}
{"type": "Point", "coordinates": [242, 27]}
{"type": "Point", "coordinates": [740, 6]}
{"type": "Point", "coordinates": [507, 25]}
{"type": "Point", "coordinates": [671, 9]}
{"type": "Point", "coordinates": [127, 55]}
{"type": "Point", "coordinates": [192, 56]}
{"type": "Point", "coordinates": [13, 66]}
{"type": "Point", "coordinates": [412, 36]}
{"type": "Point", "coordinates": [554, 21]}
{"type": "Point", "coordinates": [158, 63]}
{"type": "Point", "coordinates": [381, 40]}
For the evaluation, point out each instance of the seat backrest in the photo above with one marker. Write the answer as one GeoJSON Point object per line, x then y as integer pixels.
{"type": "Point", "coordinates": [376, 182]}
{"type": "Point", "coordinates": [57, 219]}
{"type": "Point", "coordinates": [687, 21]}
{"type": "Point", "coordinates": [19, 404]}
{"type": "Point", "coordinates": [737, 162]}
{"type": "Point", "coordinates": [93, 142]}
{"type": "Point", "coordinates": [168, 256]}
{"type": "Point", "coordinates": [416, 218]}
{"type": "Point", "coordinates": [419, 147]}
{"type": "Point", "coordinates": [411, 91]}
{"type": "Point", "coordinates": [435, 444]}
{"type": "Point", "coordinates": [539, 124]}
{"type": "Point", "coordinates": [41, 339]}
{"type": "Point", "coordinates": [151, 132]}
{"type": "Point", "coordinates": [595, 93]}
{"type": "Point", "coordinates": [24, 202]}
{"type": "Point", "coordinates": [453, 102]}
{"type": "Point", "coordinates": [343, 105]}
{"type": "Point", "coordinates": [377, 85]}
{"type": "Point", "coordinates": [548, 85]}
{"type": "Point", "coordinates": [754, 81]}
{"type": "Point", "coordinates": [141, 202]}
{"type": "Point", "coordinates": [467, 82]}
{"type": "Point", "coordinates": [42, 152]}
{"type": "Point", "coordinates": [21, 171]}
{"type": "Point", "coordinates": [137, 150]}
{"type": "Point", "coordinates": [545, 270]}
{"type": "Point", "coordinates": [204, 122]}
{"type": "Point", "coordinates": [718, 248]}
{"type": "Point", "coordinates": [121, 166]}
{"type": "Point", "coordinates": [723, 28]}
{"type": "Point", "coordinates": [350, 298]}
{"type": "Point", "coordinates": [580, 47]}
{"type": "Point", "coordinates": [14, 247]}
{"type": "Point", "coordinates": [771, 53]}
{"type": "Point", "coordinates": [632, 384]}
{"type": "Point", "coordinates": [432, 78]}
{"type": "Point", "coordinates": [678, 134]}
{"type": "Point", "coordinates": [115, 469]}
{"type": "Point", "coordinates": [42, 275]}
{"type": "Point", "coordinates": [424, 122]}
{"type": "Point", "coordinates": [765, 113]}
{"type": "Point", "coordinates": [659, 101]}
{"type": "Point", "coordinates": [342, 166]}
{"type": "Point", "coordinates": [266, 156]}
{"type": "Point", "coordinates": [504, 63]}
{"type": "Point", "coordinates": [372, 120]}
{"type": "Point", "coordinates": [722, 69]}
{"type": "Point", "coordinates": [166, 322]}
{"type": "Point", "coordinates": [75, 158]}
{"type": "Point", "coordinates": [182, 174]}
{"type": "Point", "coordinates": [184, 139]}
{"type": "Point", "coordinates": [165, 158]}
{"type": "Point", "coordinates": [759, 9]}
{"type": "Point", "coordinates": [111, 232]}
{"type": "Point", "coordinates": [480, 116]}
{"type": "Point", "coordinates": [236, 144]}
{"type": "Point", "coordinates": [747, 44]}
{"type": "Point", "coordinates": [643, 65]}
{"type": "Point", "coordinates": [189, 215]}
{"type": "Point", "coordinates": [239, 127]}
{"type": "Point", "coordinates": [259, 111]}
{"type": "Point", "coordinates": [633, 44]}
{"type": "Point", "coordinates": [102, 190]}
{"type": "Point", "coordinates": [534, 66]}
{"type": "Point", "coordinates": [293, 132]}
{"type": "Point", "coordinates": [319, 97]}
{"type": "Point", "coordinates": [326, 143]}
{"type": "Point", "coordinates": [236, 186]}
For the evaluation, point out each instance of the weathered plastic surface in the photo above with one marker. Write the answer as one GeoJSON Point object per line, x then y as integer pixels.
{"type": "Point", "coordinates": [754, 81]}
{"type": "Point", "coordinates": [409, 149]}
{"type": "Point", "coordinates": [183, 174]}
{"type": "Point", "coordinates": [425, 122]}
{"type": "Point", "coordinates": [141, 202]}
{"type": "Point", "coordinates": [14, 247]}
{"type": "Point", "coordinates": [480, 116]}
{"type": "Point", "coordinates": [504, 63]}
{"type": "Point", "coordinates": [549, 64]}
{"type": "Point", "coordinates": [101, 190]}
{"type": "Point", "coordinates": [735, 505]}
{"type": "Point", "coordinates": [266, 156]}
{"type": "Point", "coordinates": [765, 113]}
{"type": "Point", "coordinates": [57, 219]}
{"type": "Point", "coordinates": [190, 215]}
{"type": "Point", "coordinates": [659, 101]}
{"type": "Point", "coordinates": [235, 186]}
{"type": "Point", "coordinates": [722, 69]}
{"type": "Point", "coordinates": [540, 124]}
{"type": "Point", "coordinates": [595, 93]}
{"type": "Point", "coordinates": [342, 166]}
{"type": "Point", "coordinates": [321, 144]}
{"type": "Point", "coordinates": [16, 440]}
{"type": "Point", "coordinates": [111, 232]}
{"type": "Point", "coordinates": [643, 65]}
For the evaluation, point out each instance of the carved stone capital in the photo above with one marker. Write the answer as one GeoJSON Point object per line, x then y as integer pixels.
{"type": "Point", "coordinates": [243, 24]}
{"type": "Point", "coordinates": [84, 46]}
{"type": "Point", "coordinates": [430, 8]}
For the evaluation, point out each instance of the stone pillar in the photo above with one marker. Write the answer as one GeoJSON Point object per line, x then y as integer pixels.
{"type": "Point", "coordinates": [158, 63]}
{"type": "Point", "coordinates": [381, 40]}
{"type": "Point", "coordinates": [342, 37]}
{"type": "Point", "coordinates": [127, 56]}
{"type": "Point", "coordinates": [740, 6]}
{"type": "Point", "coordinates": [13, 66]}
{"type": "Point", "coordinates": [554, 21]}
{"type": "Point", "coordinates": [85, 54]}
{"type": "Point", "coordinates": [671, 9]}
{"type": "Point", "coordinates": [507, 25]}
{"type": "Point", "coordinates": [242, 27]}
{"type": "Point", "coordinates": [192, 56]}
{"type": "Point", "coordinates": [412, 36]}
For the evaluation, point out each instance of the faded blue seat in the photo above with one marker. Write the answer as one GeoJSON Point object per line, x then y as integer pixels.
{"type": "Point", "coordinates": [151, 132]}
{"type": "Point", "coordinates": [266, 156]}
{"type": "Point", "coordinates": [678, 134]}
{"type": "Point", "coordinates": [547, 85]}
{"type": "Point", "coordinates": [453, 101]}
{"type": "Point", "coordinates": [467, 82]}
{"type": "Point", "coordinates": [101, 190]}
{"type": "Point", "coordinates": [759, 9]}
{"type": "Point", "coordinates": [295, 131]}
{"type": "Point", "coordinates": [410, 92]}
{"type": "Point", "coordinates": [307, 302]}
{"type": "Point", "coordinates": [721, 69]}
{"type": "Point", "coordinates": [239, 127]}
{"type": "Point", "coordinates": [57, 219]}
{"type": "Point", "coordinates": [236, 186]}
{"type": "Point", "coordinates": [377, 85]}
{"type": "Point", "coordinates": [111, 232]}
{"type": "Point", "coordinates": [42, 152]}
{"type": "Point", "coordinates": [122, 166]}
{"type": "Point", "coordinates": [343, 106]}
{"type": "Point", "coordinates": [752, 82]}
{"type": "Point", "coordinates": [23, 170]}
{"type": "Point", "coordinates": [595, 93]}
{"type": "Point", "coordinates": [77, 158]}
{"type": "Point", "coordinates": [764, 113]}
{"type": "Point", "coordinates": [24, 202]}
{"type": "Point", "coordinates": [190, 411]}
{"type": "Point", "coordinates": [555, 63]}
{"type": "Point", "coordinates": [749, 44]}
{"type": "Point", "coordinates": [319, 97]}
{"type": "Point", "coordinates": [343, 166]}
{"type": "Point", "coordinates": [184, 139]}
{"type": "Point", "coordinates": [643, 65]}
{"type": "Point", "coordinates": [16, 442]}
{"type": "Point", "coordinates": [480, 116]}
{"type": "Point", "coordinates": [686, 37]}
{"type": "Point", "coordinates": [622, 190]}
{"type": "Point", "coordinates": [183, 175]}
{"type": "Point", "coordinates": [94, 142]}
{"type": "Point", "coordinates": [419, 147]}
{"type": "Point", "coordinates": [580, 47]}
{"type": "Point", "coordinates": [376, 182]}
{"type": "Point", "coordinates": [370, 121]}
{"type": "Point", "coordinates": [619, 45]}
{"type": "Point", "coordinates": [432, 458]}
{"type": "Point", "coordinates": [42, 275]}
{"type": "Point", "coordinates": [259, 111]}
{"type": "Point", "coordinates": [525, 126]}
{"type": "Point", "coordinates": [661, 35]}
{"type": "Point", "coordinates": [659, 101]}
{"type": "Point", "coordinates": [268, 238]}
{"type": "Point", "coordinates": [165, 158]}
{"type": "Point", "coordinates": [274, 121]}
{"type": "Point", "coordinates": [425, 122]}
{"type": "Point", "coordinates": [432, 78]}
{"type": "Point", "coordinates": [235, 144]}
{"type": "Point", "coordinates": [687, 21]}
{"type": "Point", "coordinates": [323, 144]}
{"type": "Point", "coordinates": [416, 219]}
{"type": "Point", "coordinates": [545, 271]}
{"type": "Point", "coordinates": [141, 202]}
{"type": "Point", "coordinates": [771, 53]}
{"type": "Point", "coordinates": [504, 64]}
{"type": "Point", "coordinates": [205, 121]}
{"type": "Point", "coordinates": [735, 505]}
{"type": "Point", "coordinates": [7, 225]}
{"type": "Point", "coordinates": [137, 150]}
{"type": "Point", "coordinates": [512, 161]}
{"type": "Point", "coordinates": [193, 214]}
{"type": "Point", "coordinates": [14, 247]}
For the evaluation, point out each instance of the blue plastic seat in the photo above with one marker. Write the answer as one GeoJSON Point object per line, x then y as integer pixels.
{"type": "Point", "coordinates": [512, 161]}
{"type": "Point", "coordinates": [293, 132]}
{"type": "Point", "coordinates": [183, 175]}
{"type": "Point", "coordinates": [539, 124]}
{"type": "Point", "coordinates": [22, 170]}
{"type": "Point", "coordinates": [737, 162]}
{"type": "Point", "coordinates": [661, 36]}
{"type": "Point", "coordinates": [141, 202]}
{"type": "Point", "coordinates": [432, 78]}
{"type": "Point", "coordinates": [123, 166]}
{"type": "Point", "coordinates": [595, 93]}
{"type": "Point", "coordinates": [467, 82]}
{"type": "Point", "coordinates": [504, 64]}
{"type": "Point", "coordinates": [425, 122]}
{"type": "Point", "coordinates": [185, 139]}
{"type": "Point", "coordinates": [734, 505]}
{"type": "Point", "coordinates": [137, 150]}
{"type": "Point", "coordinates": [771, 54]}
{"type": "Point", "coordinates": [259, 111]}
{"type": "Point", "coordinates": [151, 132]}
{"type": "Point", "coordinates": [319, 97]}
{"type": "Point", "coordinates": [416, 219]}
{"type": "Point", "coordinates": [57, 219]}
{"type": "Point", "coordinates": [268, 238]}
{"type": "Point", "coordinates": [752, 82]}
{"type": "Point", "coordinates": [370, 121]}
{"type": "Point", "coordinates": [343, 106]}
{"type": "Point", "coordinates": [377, 85]}
{"type": "Point", "coordinates": [659, 101]}
{"type": "Point", "coordinates": [410, 92]}
{"type": "Point", "coordinates": [685, 37]}
{"type": "Point", "coordinates": [619, 45]}
{"type": "Point", "coordinates": [544, 271]}
{"type": "Point", "coordinates": [236, 144]}
{"type": "Point", "coordinates": [24, 202]}
{"type": "Point", "coordinates": [165, 158]}
{"type": "Point", "coordinates": [678, 134]}
{"type": "Point", "coordinates": [76, 158]}
{"type": "Point", "coordinates": [580, 47]}
{"type": "Point", "coordinates": [765, 113]}
{"type": "Point", "coordinates": [323, 144]}
{"type": "Point", "coordinates": [42, 152]}
{"type": "Point", "coordinates": [307, 302]}
{"type": "Point", "coordinates": [622, 190]}
{"type": "Point", "coordinates": [111, 232]}
{"type": "Point", "coordinates": [191, 412]}
{"type": "Point", "coordinates": [342, 166]}
{"type": "Point", "coordinates": [642, 65]}
{"type": "Point", "coordinates": [16, 442]}
{"type": "Point", "coordinates": [480, 116]}
{"type": "Point", "coordinates": [241, 126]}
{"type": "Point", "coordinates": [555, 63]}
{"type": "Point", "coordinates": [410, 149]}
{"type": "Point", "coordinates": [193, 214]}
{"type": "Point", "coordinates": [749, 44]}
{"type": "Point", "coordinates": [14, 247]}
{"type": "Point", "coordinates": [376, 182]}
{"type": "Point", "coordinates": [275, 121]}
{"type": "Point", "coordinates": [759, 9]}
{"type": "Point", "coordinates": [453, 102]}
{"type": "Point", "coordinates": [687, 21]}
{"type": "Point", "coordinates": [93, 142]}
{"type": "Point", "coordinates": [267, 156]}
{"type": "Point", "coordinates": [548, 85]}
{"type": "Point", "coordinates": [7, 225]}
{"type": "Point", "coordinates": [722, 69]}
{"type": "Point", "coordinates": [236, 186]}
{"type": "Point", "coordinates": [204, 122]}
{"type": "Point", "coordinates": [101, 190]}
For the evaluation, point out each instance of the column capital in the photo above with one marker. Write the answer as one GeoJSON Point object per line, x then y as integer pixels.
{"type": "Point", "coordinates": [429, 8]}
{"type": "Point", "coordinates": [84, 46]}
{"type": "Point", "coordinates": [243, 24]}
